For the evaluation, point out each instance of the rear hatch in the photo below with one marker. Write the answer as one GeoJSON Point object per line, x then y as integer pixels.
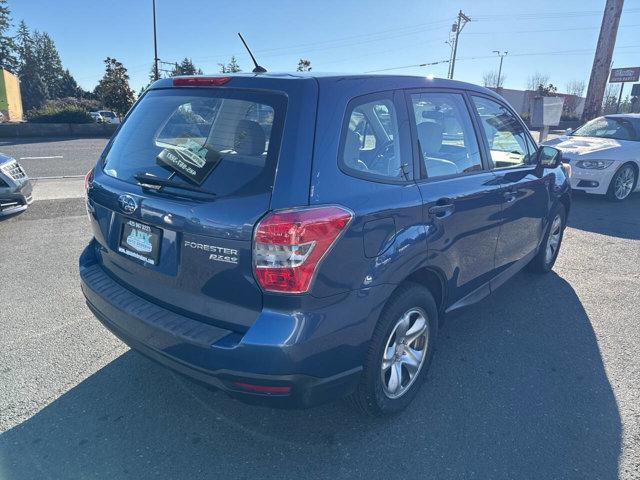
{"type": "Point", "coordinates": [176, 195]}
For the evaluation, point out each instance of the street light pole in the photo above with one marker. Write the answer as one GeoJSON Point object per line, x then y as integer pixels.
{"type": "Point", "coordinates": [156, 74]}
{"type": "Point", "coordinates": [501, 55]}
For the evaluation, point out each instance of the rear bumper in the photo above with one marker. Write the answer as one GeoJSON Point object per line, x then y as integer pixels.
{"type": "Point", "coordinates": [218, 357]}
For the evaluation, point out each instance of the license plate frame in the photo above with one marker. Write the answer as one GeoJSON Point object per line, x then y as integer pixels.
{"type": "Point", "coordinates": [140, 241]}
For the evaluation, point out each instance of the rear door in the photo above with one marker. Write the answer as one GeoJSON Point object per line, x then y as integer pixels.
{"type": "Point", "coordinates": [524, 187]}
{"type": "Point", "coordinates": [187, 246]}
{"type": "Point", "coordinates": [461, 199]}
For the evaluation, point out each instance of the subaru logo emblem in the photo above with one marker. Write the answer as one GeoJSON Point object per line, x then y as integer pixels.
{"type": "Point", "coordinates": [127, 203]}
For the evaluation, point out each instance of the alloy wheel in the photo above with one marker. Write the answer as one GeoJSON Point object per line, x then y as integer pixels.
{"type": "Point", "coordinates": [405, 352]}
{"type": "Point", "coordinates": [624, 183]}
{"type": "Point", "coordinates": [553, 242]}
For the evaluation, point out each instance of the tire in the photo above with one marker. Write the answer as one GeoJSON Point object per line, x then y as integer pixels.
{"type": "Point", "coordinates": [377, 394]}
{"type": "Point", "coordinates": [623, 183]}
{"type": "Point", "coordinates": [543, 262]}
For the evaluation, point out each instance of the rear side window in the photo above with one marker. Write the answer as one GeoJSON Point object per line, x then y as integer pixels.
{"type": "Point", "coordinates": [223, 140]}
{"type": "Point", "coordinates": [446, 138]}
{"type": "Point", "coordinates": [370, 140]}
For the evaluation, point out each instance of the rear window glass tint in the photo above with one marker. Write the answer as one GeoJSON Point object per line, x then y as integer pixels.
{"type": "Point", "coordinates": [224, 140]}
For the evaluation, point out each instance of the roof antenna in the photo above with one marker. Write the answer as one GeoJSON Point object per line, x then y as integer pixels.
{"type": "Point", "coordinates": [258, 68]}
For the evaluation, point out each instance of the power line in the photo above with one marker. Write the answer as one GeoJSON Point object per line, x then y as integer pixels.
{"type": "Point", "coordinates": [553, 15]}
{"type": "Point", "coordinates": [513, 32]}
{"type": "Point", "coordinates": [482, 57]}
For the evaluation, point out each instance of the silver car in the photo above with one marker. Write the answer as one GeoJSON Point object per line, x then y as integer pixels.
{"type": "Point", "coordinates": [15, 187]}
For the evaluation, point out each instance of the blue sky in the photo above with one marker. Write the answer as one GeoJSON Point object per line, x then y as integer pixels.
{"type": "Point", "coordinates": [547, 36]}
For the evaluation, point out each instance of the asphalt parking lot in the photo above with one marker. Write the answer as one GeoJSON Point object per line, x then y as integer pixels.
{"type": "Point", "coordinates": [52, 157]}
{"type": "Point", "coordinates": [541, 380]}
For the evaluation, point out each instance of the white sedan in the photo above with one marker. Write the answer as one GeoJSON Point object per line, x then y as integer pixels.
{"type": "Point", "coordinates": [604, 155]}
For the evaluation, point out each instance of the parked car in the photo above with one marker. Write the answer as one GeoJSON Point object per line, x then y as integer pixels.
{"type": "Point", "coordinates": [311, 252]}
{"type": "Point", "coordinates": [109, 117]}
{"type": "Point", "coordinates": [97, 117]}
{"type": "Point", "coordinates": [604, 154]}
{"type": "Point", "coordinates": [15, 187]}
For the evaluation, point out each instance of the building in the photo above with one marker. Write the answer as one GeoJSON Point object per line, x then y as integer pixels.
{"type": "Point", "coordinates": [522, 101]}
{"type": "Point", "coordinates": [10, 98]}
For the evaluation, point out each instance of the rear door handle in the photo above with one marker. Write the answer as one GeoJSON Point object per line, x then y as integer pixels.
{"type": "Point", "coordinates": [442, 211]}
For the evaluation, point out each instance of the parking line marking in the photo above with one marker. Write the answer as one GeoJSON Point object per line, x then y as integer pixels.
{"type": "Point", "coordinates": [41, 158]}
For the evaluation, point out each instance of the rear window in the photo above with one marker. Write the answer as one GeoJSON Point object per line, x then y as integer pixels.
{"type": "Point", "coordinates": [225, 141]}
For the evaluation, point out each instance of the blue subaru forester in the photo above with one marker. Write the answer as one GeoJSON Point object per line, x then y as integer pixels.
{"type": "Point", "coordinates": [292, 239]}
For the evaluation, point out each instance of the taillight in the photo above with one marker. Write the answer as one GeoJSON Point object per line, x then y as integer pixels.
{"type": "Point", "coordinates": [289, 245]}
{"type": "Point", "coordinates": [200, 81]}
{"type": "Point", "coordinates": [87, 178]}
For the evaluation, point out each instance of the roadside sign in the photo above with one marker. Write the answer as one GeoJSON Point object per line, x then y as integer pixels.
{"type": "Point", "coordinates": [635, 90]}
{"type": "Point", "coordinates": [621, 75]}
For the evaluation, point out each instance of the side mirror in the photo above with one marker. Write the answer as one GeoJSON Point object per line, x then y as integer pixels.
{"type": "Point", "coordinates": [568, 131]}
{"type": "Point", "coordinates": [548, 157]}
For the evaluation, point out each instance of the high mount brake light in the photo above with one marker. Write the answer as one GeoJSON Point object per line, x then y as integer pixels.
{"type": "Point", "coordinates": [200, 81]}
{"type": "Point", "coordinates": [289, 245]}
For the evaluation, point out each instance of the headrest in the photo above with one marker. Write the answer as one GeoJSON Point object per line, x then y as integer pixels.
{"type": "Point", "coordinates": [351, 153]}
{"type": "Point", "coordinates": [430, 136]}
{"type": "Point", "coordinates": [250, 138]}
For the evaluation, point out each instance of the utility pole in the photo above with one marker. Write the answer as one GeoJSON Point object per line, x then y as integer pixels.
{"type": "Point", "coordinates": [456, 28]}
{"type": "Point", "coordinates": [501, 55]}
{"type": "Point", "coordinates": [602, 59]}
{"type": "Point", "coordinates": [156, 74]}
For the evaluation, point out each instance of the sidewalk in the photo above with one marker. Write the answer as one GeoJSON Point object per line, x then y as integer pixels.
{"type": "Point", "coordinates": [58, 188]}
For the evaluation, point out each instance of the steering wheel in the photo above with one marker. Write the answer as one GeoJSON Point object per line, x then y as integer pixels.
{"type": "Point", "coordinates": [383, 158]}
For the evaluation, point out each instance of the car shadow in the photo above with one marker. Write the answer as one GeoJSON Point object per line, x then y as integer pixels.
{"type": "Point", "coordinates": [594, 213]}
{"type": "Point", "coordinates": [517, 390]}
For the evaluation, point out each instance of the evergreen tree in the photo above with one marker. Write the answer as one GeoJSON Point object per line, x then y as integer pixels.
{"type": "Point", "coordinates": [8, 58]}
{"type": "Point", "coordinates": [304, 65]}
{"type": "Point", "coordinates": [32, 88]}
{"type": "Point", "coordinates": [231, 67]}
{"type": "Point", "coordinates": [50, 64]}
{"type": "Point", "coordinates": [24, 44]}
{"type": "Point", "coordinates": [186, 67]}
{"type": "Point", "coordinates": [113, 89]}
{"type": "Point", "coordinates": [69, 87]}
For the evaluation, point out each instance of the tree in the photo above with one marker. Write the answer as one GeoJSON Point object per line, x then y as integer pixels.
{"type": "Point", "coordinates": [547, 90]}
{"type": "Point", "coordinates": [32, 88]}
{"type": "Point", "coordinates": [113, 89]}
{"type": "Point", "coordinates": [50, 65]}
{"type": "Point", "coordinates": [574, 90]}
{"type": "Point", "coordinates": [490, 79]}
{"type": "Point", "coordinates": [576, 87]}
{"type": "Point", "coordinates": [8, 58]}
{"type": "Point", "coordinates": [23, 43]}
{"type": "Point", "coordinates": [69, 87]}
{"type": "Point", "coordinates": [304, 65]}
{"type": "Point", "coordinates": [186, 67]}
{"type": "Point", "coordinates": [610, 100]}
{"type": "Point", "coordinates": [536, 80]}
{"type": "Point", "coordinates": [231, 67]}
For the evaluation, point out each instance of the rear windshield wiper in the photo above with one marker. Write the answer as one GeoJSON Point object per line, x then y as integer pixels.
{"type": "Point", "coordinates": [146, 179]}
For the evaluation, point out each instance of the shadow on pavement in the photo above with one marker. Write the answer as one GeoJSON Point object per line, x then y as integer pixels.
{"type": "Point", "coordinates": [594, 213]}
{"type": "Point", "coordinates": [517, 390]}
